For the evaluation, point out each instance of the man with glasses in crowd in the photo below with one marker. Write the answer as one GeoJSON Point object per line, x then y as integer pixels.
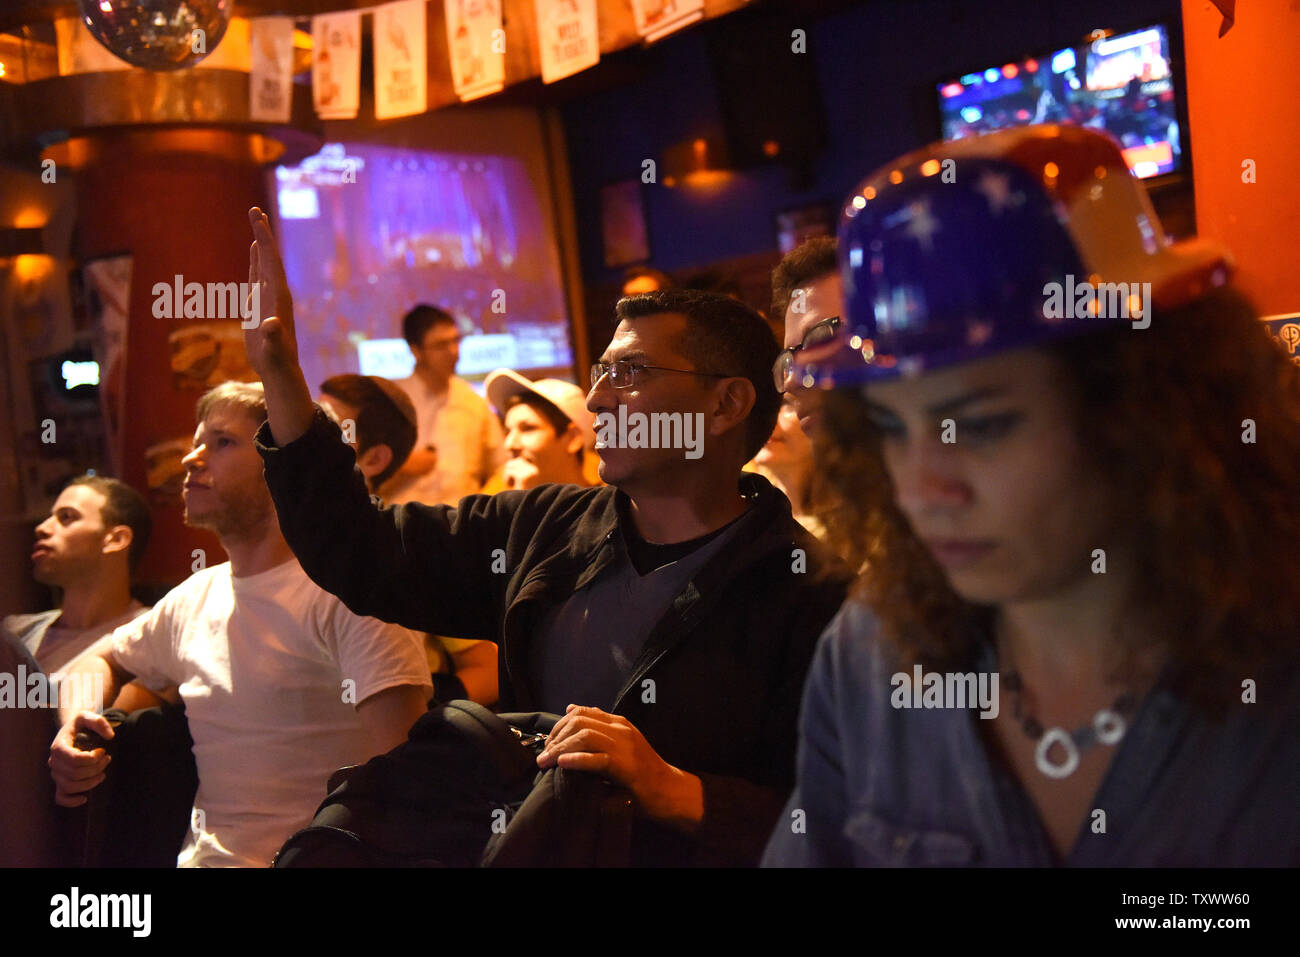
{"type": "Point", "coordinates": [808, 295]}
{"type": "Point", "coordinates": [669, 616]}
{"type": "Point", "coordinates": [459, 443]}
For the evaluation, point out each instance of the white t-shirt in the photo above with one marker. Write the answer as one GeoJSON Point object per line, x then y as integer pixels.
{"type": "Point", "coordinates": [270, 668]}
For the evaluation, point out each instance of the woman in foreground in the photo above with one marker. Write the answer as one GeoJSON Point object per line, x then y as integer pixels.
{"type": "Point", "coordinates": [1074, 640]}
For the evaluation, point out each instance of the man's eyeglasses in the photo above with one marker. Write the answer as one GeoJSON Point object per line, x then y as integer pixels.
{"type": "Point", "coordinates": [624, 373]}
{"type": "Point", "coordinates": [819, 334]}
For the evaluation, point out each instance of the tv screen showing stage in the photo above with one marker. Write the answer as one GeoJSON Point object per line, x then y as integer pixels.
{"type": "Point", "coordinates": [1123, 84]}
{"type": "Point", "coordinates": [369, 231]}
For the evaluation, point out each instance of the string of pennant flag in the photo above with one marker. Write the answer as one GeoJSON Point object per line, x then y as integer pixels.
{"type": "Point", "coordinates": [567, 39]}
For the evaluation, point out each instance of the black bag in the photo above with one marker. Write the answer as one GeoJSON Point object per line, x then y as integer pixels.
{"type": "Point", "coordinates": [453, 786]}
{"type": "Point", "coordinates": [140, 814]}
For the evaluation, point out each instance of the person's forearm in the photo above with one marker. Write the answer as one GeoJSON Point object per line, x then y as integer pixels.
{"type": "Point", "coordinates": [480, 682]}
{"type": "Point", "coordinates": [135, 697]}
{"type": "Point", "coordinates": [88, 686]}
{"type": "Point", "coordinates": [289, 408]}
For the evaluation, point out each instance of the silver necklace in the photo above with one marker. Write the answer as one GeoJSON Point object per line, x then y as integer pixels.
{"type": "Point", "coordinates": [1107, 726]}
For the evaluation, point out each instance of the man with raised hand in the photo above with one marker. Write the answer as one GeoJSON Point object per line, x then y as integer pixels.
{"type": "Point", "coordinates": [282, 684]}
{"type": "Point", "coordinates": [669, 616]}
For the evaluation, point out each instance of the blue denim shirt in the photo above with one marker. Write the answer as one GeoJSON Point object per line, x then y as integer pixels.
{"type": "Point", "coordinates": [879, 786]}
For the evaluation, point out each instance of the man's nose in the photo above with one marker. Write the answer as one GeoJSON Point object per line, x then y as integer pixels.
{"type": "Point", "coordinates": [193, 458]}
{"type": "Point", "coordinates": [45, 529]}
{"type": "Point", "coordinates": [601, 395]}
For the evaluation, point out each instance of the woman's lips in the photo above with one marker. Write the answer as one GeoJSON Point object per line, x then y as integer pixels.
{"type": "Point", "coordinates": [958, 553]}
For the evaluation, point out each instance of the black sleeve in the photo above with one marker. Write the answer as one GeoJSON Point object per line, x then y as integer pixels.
{"type": "Point", "coordinates": [428, 567]}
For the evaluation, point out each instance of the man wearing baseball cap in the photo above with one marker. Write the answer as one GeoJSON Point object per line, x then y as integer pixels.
{"type": "Point", "coordinates": [549, 432]}
{"type": "Point", "coordinates": [383, 422]}
{"type": "Point", "coordinates": [378, 420]}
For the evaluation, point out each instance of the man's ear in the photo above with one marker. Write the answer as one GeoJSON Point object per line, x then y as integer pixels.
{"type": "Point", "coordinates": [374, 460]}
{"type": "Point", "coordinates": [572, 439]}
{"type": "Point", "coordinates": [118, 539]}
{"type": "Point", "coordinates": [735, 400]}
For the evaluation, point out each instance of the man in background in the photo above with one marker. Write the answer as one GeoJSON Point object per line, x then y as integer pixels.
{"type": "Point", "coordinates": [383, 429]}
{"type": "Point", "coordinates": [378, 421]}
{"type": "Point", "coordinates": [94, 536]}
{"type": "Point", "coordinates": [458, 442]}
{"type": "Point", "coordinates": [808, 296]}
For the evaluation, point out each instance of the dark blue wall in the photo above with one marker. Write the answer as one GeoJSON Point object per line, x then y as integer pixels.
{"type": "Point", "coordinates": [876, 65]}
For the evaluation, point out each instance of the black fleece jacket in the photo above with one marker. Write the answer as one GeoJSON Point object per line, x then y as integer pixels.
{"type": "Point", "coordinates": [727, 660]}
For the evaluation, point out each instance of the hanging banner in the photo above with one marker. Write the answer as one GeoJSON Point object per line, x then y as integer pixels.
{"type": "Point", "coordinates": [477, 43]}
{"type": "Point", "coordinates": [567, 37]}
{"type": "Point", "coordinates": [270, 81]}
{"type": "Point", "coordinates": [658, 18]}
{"type": "Point", "coordinates": [401, 67]}
{"type": "Point", "coordinates": [336, 64]}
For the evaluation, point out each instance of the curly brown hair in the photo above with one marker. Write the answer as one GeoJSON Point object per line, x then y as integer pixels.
{"type": "Point", "coordinates": [1167, 412]}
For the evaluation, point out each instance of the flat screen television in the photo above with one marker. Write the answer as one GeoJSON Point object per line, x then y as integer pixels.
{"type": "Point", "coordinates": [1125, 84]}
{"type": "Point", "coordinates": [368, 231]}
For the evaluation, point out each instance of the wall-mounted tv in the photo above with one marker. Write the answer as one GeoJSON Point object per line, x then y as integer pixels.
{"type": "Point", "coordinates": [369, 230]}
{"type": "Point", "coordinates": [1124, 84]}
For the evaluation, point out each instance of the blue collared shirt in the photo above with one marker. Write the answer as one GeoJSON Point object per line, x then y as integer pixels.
{"type": "Point", "coordinates": [885, 786]}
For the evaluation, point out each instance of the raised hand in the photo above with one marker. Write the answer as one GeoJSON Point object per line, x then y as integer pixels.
{"type": "Point", "coordinates": [269, 337]}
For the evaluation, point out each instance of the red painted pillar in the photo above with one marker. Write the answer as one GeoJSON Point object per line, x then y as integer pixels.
{"type": "Point", "coordinates": [176, 200]}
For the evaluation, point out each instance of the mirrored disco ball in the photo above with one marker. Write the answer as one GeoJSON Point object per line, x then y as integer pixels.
{"type": "Point", "coordinates": [158, 34]}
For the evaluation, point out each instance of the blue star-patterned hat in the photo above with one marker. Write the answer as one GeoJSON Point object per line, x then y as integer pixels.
{"type": "Point", "coordinates": [969, 248]}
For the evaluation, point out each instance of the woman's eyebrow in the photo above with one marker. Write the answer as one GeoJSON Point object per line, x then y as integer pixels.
{"type": "Point", "coordinates": [953, 404]}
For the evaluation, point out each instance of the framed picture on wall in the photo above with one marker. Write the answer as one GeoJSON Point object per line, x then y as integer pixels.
{"type": "Point", "coordinates": [622, 223]}
{"type": "Point", "coordinates": [795, 226]}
